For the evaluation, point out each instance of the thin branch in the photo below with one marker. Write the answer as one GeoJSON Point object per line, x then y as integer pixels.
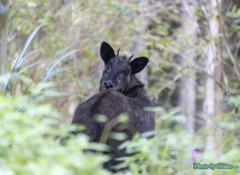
{"type": "Point", "coordinates": [232, 60]}
{"type": "Point", "coordinates": [178, 76]}
{"type": "Point", "coordinates": [187, 8]}
{"type": "Point", "coordinates": [237, 50]}
{"type": "Point", "coordinates": [220, 20]}
{"type": "Point", "coordinates": [184, 72]}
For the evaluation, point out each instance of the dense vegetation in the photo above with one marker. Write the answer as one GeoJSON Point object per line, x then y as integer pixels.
{"type": "Point", "coordinates": [53, 64]}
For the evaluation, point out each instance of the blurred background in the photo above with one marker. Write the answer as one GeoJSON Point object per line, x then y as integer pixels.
{"type": "Point", "coordinates": [50, 53]}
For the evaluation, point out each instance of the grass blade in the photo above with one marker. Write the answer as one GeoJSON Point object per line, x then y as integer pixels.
{"type": "Point", "coordinates": [69, 73]}
{"type": "Point", "coordinates": [54, 73]}
{"type": "Point", "coordinates": [31, 65]}
{"type": "Point", "coordinates": [50, 70]}
{"type": "Point", "coordinates": [65, 49]}
{"type": "Point", "coordinates": [27, 57]}
{"type": "Point", "coordinates": [19, 59]}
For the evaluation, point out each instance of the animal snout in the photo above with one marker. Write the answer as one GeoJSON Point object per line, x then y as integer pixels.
{"type": "Point", "coordinates": [108, 84]}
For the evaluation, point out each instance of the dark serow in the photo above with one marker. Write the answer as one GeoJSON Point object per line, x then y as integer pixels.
{"type": "Point", "coordinates": [120, 92]}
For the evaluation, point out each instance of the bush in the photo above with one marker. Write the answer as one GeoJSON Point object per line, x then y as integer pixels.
{"type": "Point", "coordinates": [29, 145]}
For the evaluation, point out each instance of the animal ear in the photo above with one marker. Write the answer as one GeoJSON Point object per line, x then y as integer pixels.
{"type": "Point", "coordinates": [138, 64]}
{"type": "Point", "coordinates": [106, 52]}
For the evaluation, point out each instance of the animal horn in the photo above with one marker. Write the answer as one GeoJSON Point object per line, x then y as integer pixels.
{"type": "Point", "coordinates": [118, 52]}
{"type": "Point", "coordinates": [129, 59]}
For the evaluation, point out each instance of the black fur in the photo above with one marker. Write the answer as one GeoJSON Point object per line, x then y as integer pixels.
{"type": "Point", "coordinates": [120, 92]}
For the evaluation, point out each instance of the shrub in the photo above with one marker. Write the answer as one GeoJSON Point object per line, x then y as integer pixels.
{"type": "Point", "coordinates": [29, 145]}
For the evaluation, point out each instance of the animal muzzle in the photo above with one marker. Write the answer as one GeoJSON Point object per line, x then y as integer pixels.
{"type": "Point", "coordinates": [108, 84]}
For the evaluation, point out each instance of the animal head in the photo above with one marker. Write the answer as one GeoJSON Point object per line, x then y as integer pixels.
{"type": "Point", "coordinates": [118, 69]}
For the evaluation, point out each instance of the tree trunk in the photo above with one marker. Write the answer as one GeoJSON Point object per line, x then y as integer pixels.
{"type": "Point", "coordinates": [188, 87]}
{"type": "Point", "coordinates": [214, 71]}
{"type": "Point", "coordinates": [4, 9]}
{"type": "Point", "coordinates": [188, 81]}
{"type": "Point", "coordinates": [139, 45]}
{"type": "Point", "coordinates": [219, 65]}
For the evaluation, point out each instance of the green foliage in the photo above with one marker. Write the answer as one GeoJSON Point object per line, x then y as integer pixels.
{"type": "Point", "coordinates": [172, 149]}
{"type": "Point", "coordinates": [234, 14]}
{"type": "Point", "coordinates": [53, 58]}
{"type": "Point", "coordinates": [31, 142]}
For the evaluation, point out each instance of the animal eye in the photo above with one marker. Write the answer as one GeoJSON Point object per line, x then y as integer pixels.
{"type": "Point", "coordinates": [108, 67]}
{"type": "Point", "coordinates": [125, 73]}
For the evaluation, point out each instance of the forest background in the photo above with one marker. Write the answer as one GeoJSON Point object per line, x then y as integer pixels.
{"type": "Point", "coordinates": [50, 62]}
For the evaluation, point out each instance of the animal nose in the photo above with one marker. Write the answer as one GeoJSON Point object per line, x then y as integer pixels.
{"type": "Point", "coordinates": [108, 84]}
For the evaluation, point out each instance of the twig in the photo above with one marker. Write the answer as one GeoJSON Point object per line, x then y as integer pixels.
{"type": "Point", "coordinates": [186, 6]}
{"type": "Point", "coordinates": [232, 60]}
{"type": "Point", "coordinates": [237, 50]}
{"type": "Point", "coordinates": [173, 80]}
{"type": "Point", "coordinates": [178, 76]}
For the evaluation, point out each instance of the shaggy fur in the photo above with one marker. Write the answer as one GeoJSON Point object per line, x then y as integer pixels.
{"type": "Point", "coordinates": [120, 92]}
